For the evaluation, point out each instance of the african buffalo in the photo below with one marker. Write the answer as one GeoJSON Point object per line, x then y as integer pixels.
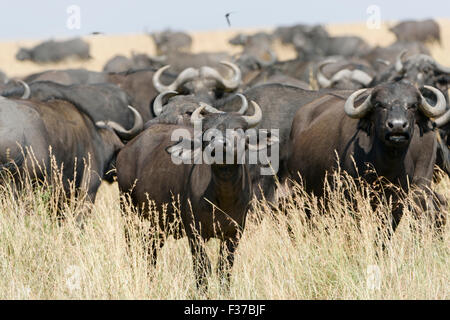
{"type": "Point", "coordinates": [102, 102]}
{"type": "Point", "coordinates": [419, 69]}
{"type": "Point", "coordinates": [279, 103]}
{"type": "Point", "coordinates": [288, 35]}
{"type": "Point", "coordinates": [351, 74]}
{"type": "Point", "coordinates": [204, 82]}
{"type": "Point", "coordinates": [83, 150]}
{"type": "Point", "coordinates": [323, 45]}
{"type": "Point", "coordinates": [55, 51]}
{"type": "Point", "coordinates": [68, 76]}
{"type": "Point", "coordinates": [382, 58]}
{"type": "Point", "coordinates": [121, 63]}
{"type": "Point", "coordinates": [257, 51]}
{"type": "Point", "coordinates": [170, 41]}
{"type": "Point", "coordinates": [172, 108]}
{"type": "Point", "coordinates": [137, 83]}
{"type": "Point", "coordinates": [214, 197]}
{"type": "Point", "coordinates": [422, 31]}
{"type": "Point", "coordinates": [388, 135]}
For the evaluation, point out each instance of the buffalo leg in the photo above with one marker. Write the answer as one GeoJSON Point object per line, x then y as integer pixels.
{"type": "Point", "coordinates": [226, 259]}
{"type": "Point", "coordinates": [385, 232]}
{"type": "Point", "coordinates": [155, 245]}
{"type": "Point", "coordinates": [433, 205]}
{"type": "Point", "coordinates": [201, 263]}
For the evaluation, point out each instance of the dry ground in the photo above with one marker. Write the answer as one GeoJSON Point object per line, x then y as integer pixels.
{"type": "Point", "coordinates": [42, 259]}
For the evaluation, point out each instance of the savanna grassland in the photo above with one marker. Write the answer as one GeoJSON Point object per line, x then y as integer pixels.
{"type": "Point", "coordinates": [330, 257]}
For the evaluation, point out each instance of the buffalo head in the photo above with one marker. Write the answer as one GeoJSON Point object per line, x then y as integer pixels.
{"type": "Point", "coordinates": [345, 77]}
{"type": "Point", "coordinates": [205, 82]}
{"type": "Point", "coordinates": [23, 54]}
{"type": "Point", "coordinates": [171, 108]}
{"type": "Point", "coordinates": [222, 136]}
{"type": "Point", "coordinates": [393, 109]}
{"type": "Point", "coordinates": [421, 69]}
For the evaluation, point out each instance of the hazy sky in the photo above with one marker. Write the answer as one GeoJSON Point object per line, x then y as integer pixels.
{"type": "Point", "coordinates": [21, 19]}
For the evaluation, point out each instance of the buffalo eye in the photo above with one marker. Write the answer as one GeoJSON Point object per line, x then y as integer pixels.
{"type": "Point", "coordinates": [379, 105]}
{"type": "Point", "coordinates": [414, 106]}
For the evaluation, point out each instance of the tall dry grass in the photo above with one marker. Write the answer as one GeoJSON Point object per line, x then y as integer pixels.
{"type": "Point", "coordinates": [327, 257]}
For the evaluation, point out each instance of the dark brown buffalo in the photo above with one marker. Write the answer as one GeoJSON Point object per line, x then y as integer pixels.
{"type": "Point", "coordinates": [169, 41]}
{"type": "Point", "coordinates": [321, 45]}
{"type": "Point", "coordinates": [172, 108]}
{"type": "Point", "coordinates": [101, 101]}
{"type": "Point", "coordinates": [138, 84]}
{"type": "Point", "coordinates": [121, 63]}
{"type": "Point", "coordinates": [68, 77]}
{"type": "Point", "coordinates": [333, 72]}
{"type": "Point", "coordinates": [270, 76]}
{"type": "Point", "coordinates": [55, 51]}
{"type": "Point", "coordinates": [422, 31]}
{"type": "Point", "coordinates": [288, 35]}
{"type": "Point", "coordinates": [387, 135]}
{"type": "Point", "coordinates": [420, 69]}
{"type": "Point", "coordinates": [279, 103]}
{"type": "Point", "coordinates": [383, 57]}
{"type": "Point", "coordinates": [84, 151]}
{"type": "Point", "coordinates": [214, 197]}
{"type": "Point", "coordinates": [257, 51]}
{"type": "Point", "coordinates": [344, 74]}
{"type": "Point", "coordinates": [204, 82]}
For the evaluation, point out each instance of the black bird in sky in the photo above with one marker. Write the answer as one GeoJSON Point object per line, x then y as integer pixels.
{"type": "Point", "coordinates": [227, 16]}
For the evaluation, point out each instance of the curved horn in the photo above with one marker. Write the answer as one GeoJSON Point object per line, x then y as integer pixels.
{"type": "Point", "coordinates": [399, 62]}
{"type": "Point", "coordinates": [441, 68]}
{"type": "Point", "coordinates": [438, 109]}
{"type": "Point", "coordinates": [341, 74]}
{"type": "Point", "coordinates": [196, 116]}
{"type": "Point", "coordinates": [159, 59]}
{"type": "Point", "coordinates": [230, 84]}
{"type": "Point", "coordinates": [121, 131]}
{"type": "Point", "coordinates": [362, 77]}
{"type": "Point", "coordinates": [235, 80]}
{"type": "Point", "coordinates": [324, 82]}
{"type": "Point", "coordinates": [443, 120]}
{"type": "Point", "coordinates": [244, 106]}
{"type": "Point", "coordinates": [255, 119]}
{"type": "Point", "coordinates": [210, 108]}
{"type": "Point", "coordinates": [384, 62]}
{"type": "Point", "coordinates": [159, 101]}
{"type": "Point", "coordinates": [183, 77]}
{"type": "Point", "coordinates": [362, 110]}
{"type": "Point", "coordinates": [27, 91]}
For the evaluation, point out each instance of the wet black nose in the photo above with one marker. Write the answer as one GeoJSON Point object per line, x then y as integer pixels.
{"type": "Point", "coordinates": [397, 124]}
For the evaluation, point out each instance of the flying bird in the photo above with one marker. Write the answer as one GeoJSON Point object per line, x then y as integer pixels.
{"type": "Point", "coordinates": [227, 16]}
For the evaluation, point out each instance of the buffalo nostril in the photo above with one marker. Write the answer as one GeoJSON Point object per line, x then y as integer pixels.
{"type": "Point", "coordinates": [397, 124]}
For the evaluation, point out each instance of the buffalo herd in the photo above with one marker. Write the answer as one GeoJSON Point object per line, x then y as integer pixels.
{"type": "Point", "coordinates": [162, 125]}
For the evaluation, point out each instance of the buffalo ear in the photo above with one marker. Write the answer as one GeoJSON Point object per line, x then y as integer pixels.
{"type": "Point", "coordinates": [424, 123]}
{"type": "Point", "coordinates": [365, 124]}
{"type": "Point", "coordinates": [184, 151]}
